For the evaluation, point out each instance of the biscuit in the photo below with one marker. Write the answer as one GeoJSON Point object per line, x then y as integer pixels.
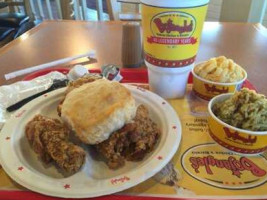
{"type": "Point", "coordinates": [96, 109]}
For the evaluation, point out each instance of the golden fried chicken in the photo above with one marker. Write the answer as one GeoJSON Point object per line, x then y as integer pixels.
{"type": "Point", "coordinates": [132, 142]}
{"type": "Point", "coordinates": [36, 127]}
{"type": "Point", "coordinates": [49, 139]}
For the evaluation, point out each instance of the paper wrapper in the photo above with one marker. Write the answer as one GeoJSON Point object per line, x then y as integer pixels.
{"type": "Point", "coordinates": [200, 168]}
{"type": "Point", "coordinates": [11, 94]}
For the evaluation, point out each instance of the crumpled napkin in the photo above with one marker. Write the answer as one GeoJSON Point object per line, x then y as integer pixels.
{"type": "Point", "coordinates": [11, 94]}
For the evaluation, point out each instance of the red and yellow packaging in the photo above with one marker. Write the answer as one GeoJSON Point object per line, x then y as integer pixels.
{"type": "Point", "coordinates": [172, 31]}
{"type": "Point", "coordinates": [232, 138]}
{"type": "Point", "coordinates": [206, 89]}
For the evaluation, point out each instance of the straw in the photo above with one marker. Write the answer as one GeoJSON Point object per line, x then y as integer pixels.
{"type": "Point", "coordinates": [47, 65]}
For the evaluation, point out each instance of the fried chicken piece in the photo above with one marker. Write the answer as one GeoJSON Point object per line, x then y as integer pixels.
{"type": "Point", "coordinates": [77, 83]}
{"type": "Point", "coordinates": [113, 147]}
{"type": "Point", "coordinates": [144, 137]}
{"type": "Point", "coordinates": [132, 142]}
{"type": "Point", "coordinates": [68, 156]}
{"type": "Point", "coordinates": [49, 139]}
{"type": "Point", "coordinates": [36, 127]}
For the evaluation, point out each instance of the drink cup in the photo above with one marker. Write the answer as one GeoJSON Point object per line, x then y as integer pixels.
{"type": "Point", "coordinates": [169, 83]}
{"type": "Point", "coordinates": [171, 34]}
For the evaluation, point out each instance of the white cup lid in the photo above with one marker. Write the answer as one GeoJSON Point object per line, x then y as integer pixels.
{"type": "Point", "coordinates": [175, 3]}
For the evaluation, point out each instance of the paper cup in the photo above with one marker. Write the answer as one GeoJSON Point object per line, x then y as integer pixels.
{"type": "Point", "coordinates": [169, 83]}
{"type": "Point", "coordinates": [232, 138]}
{"type": "Point", "coordinates": [172, 31]}
{"type": "Point", "coordinates": [171, 36]}
{"type": "Point", "coordinates": [206, 89]}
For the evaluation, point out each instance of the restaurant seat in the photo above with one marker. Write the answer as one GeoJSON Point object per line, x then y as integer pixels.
{"type": "Point", "coordinates": [6, 35]}
{"type": "Point", "coordinates": [14, 20]}
{"type": "Point", "coordinates": [20, 22]}
{"type": "Point", "coordinates": [114, 11]}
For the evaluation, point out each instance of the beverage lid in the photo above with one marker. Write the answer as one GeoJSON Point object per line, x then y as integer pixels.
{"type": "Point", "coordinates": [175, 3]}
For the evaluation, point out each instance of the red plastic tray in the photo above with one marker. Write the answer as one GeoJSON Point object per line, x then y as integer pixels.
{"type": "Point", "coordinates": [139, 75]}
{"type": "Point", "coordinates": [129, 76]}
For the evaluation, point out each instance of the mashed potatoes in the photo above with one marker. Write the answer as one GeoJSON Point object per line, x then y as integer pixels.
{"type": "Point", "coordinates": [245, 109]}
{"type": "Point", "coordinates": [221, 70]}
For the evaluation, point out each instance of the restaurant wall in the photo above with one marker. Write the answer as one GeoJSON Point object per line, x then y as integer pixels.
{"type": "Point", "coordinates": [235, 10]}
{"type": "Point", "coordinates": [264, 21]}
{"type": "Point", "coordinates": [218, 10]}
{"type": "Point", "coordinates": [252, 11]}
{"type": "Point", "coordinates": [213, 13]}
{"type": "Point", "coordinates": [214, 10]}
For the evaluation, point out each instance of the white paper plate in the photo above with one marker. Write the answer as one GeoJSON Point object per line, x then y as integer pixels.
{"type": "Point", "coordinates": [95, 178]}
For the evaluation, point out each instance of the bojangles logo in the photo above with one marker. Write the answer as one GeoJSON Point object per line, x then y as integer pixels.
{"type": "Point", "coordinates": [169, 26]}
{"type": "Point", "coordinates": [236, 136]}
{"type": "Point", "coordinates": [119, 180]}
{"type": "Point", "coordinates": [211, 164]}
{"type": "Point", "coordinates": [173, 28]}
{"type": "Point", "coordinates": [214, 89]}
{"type": "Point", "coordinates": [232, 164]}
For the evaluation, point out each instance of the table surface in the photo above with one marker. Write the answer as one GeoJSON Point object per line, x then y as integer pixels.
{"type": "Point", "coordinates": [245, 43]}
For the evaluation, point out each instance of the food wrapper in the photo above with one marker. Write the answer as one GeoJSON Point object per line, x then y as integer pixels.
{"type": "Point", "coordinates": [11, 94]}
{"type": "Point", "coordinates": [201, 168]}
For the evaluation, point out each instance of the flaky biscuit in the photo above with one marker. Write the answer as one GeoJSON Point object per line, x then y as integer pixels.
{"type": "Point", "coordinates": [95, 110]}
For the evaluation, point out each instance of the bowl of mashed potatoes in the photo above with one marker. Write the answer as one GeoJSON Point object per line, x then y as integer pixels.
{"type": "Point", "coordinates": [217, 76]}
{"type": "Point", "coordinates": [237, 121]}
